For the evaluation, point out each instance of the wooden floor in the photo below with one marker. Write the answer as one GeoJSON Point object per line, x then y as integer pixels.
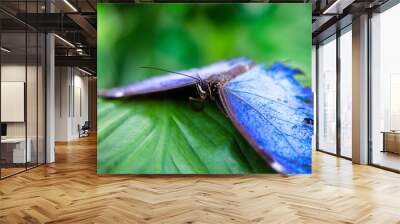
{"type": "Point", "coordinates": [386, 159]}
{"type": "Point", "coordinates": [10, 171]}
{"type": "Point", "coordinates": [69, 191]}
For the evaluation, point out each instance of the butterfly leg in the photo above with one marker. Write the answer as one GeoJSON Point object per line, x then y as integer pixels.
{"type": "Point", "coordinates": [220, 107]}
{"type": "Point", "coordinates": [196, 103]}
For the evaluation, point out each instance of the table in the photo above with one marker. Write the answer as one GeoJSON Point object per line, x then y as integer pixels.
{"type": "Point", "coordinates": [19, 155]}
{"type": "Point", "coordinates": [391, 141]}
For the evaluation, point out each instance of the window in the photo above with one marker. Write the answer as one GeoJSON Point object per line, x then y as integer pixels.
{"type": "Point", "coordinates": [385, 89]}
{"type": "Point", "coordinates": [346, 92]}
{"type": "Point", "coordinates": [327, 96]}
{"type": "Point", "coordinates": [22, 78]}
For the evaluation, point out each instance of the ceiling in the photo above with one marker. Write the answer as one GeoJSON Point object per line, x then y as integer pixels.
{"type": "Point", "coordinates": [332, 15]}
{"type": "Point", "coordinates": [75, 22]}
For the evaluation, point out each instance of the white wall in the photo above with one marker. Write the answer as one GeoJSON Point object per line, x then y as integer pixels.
{"type": "Point", "coordinates": [33, 127]}
{"type": "Point", "coordinates": [62, 82]}
{"type": "Point", "coordinates": [71, 102]}
{"type": "Point", "coordinates": [80, 104]}
{"type": "Point", "coordinates": [16, 72]}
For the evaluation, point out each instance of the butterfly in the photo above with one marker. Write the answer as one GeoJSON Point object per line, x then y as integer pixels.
{"type": "Point", "coordinates": [268, 106]}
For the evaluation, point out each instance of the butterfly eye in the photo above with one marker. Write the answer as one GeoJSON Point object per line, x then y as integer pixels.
{"type": "Point", "coordinates": [204, 86]}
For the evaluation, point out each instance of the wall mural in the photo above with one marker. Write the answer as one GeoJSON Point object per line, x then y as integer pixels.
{"type": "Point", "coordinates": [204, 88]}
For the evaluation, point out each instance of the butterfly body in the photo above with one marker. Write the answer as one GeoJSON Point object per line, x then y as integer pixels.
{"type": "Point", "coordinates": [210, 88]}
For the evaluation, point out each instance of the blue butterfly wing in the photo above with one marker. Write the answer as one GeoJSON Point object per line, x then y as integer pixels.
{"type": "Point", "coordinates": [173, 81]}
{"type": "Point", "coordinates": [268, 108]}
{"type": "Point", "coordinates": [284, 75]}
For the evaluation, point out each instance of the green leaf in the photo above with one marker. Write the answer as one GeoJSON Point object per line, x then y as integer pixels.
{"type": "Point", "coordinates": [164, 135]}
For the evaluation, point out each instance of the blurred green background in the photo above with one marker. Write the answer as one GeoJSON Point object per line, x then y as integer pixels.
{"type": "Point", "coordinates": [163, 134]}
{"type": "Point", "coordinates": [183, 36]}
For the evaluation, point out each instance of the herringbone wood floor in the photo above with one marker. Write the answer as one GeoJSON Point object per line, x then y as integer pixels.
{"type": "Point", "coordinates": [69, 191]}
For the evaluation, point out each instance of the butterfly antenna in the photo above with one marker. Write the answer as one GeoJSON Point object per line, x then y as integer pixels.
{"type": "Point", "coordinates": [178, 73]}
{"type": "Point", "coordinates": [198, 76]}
